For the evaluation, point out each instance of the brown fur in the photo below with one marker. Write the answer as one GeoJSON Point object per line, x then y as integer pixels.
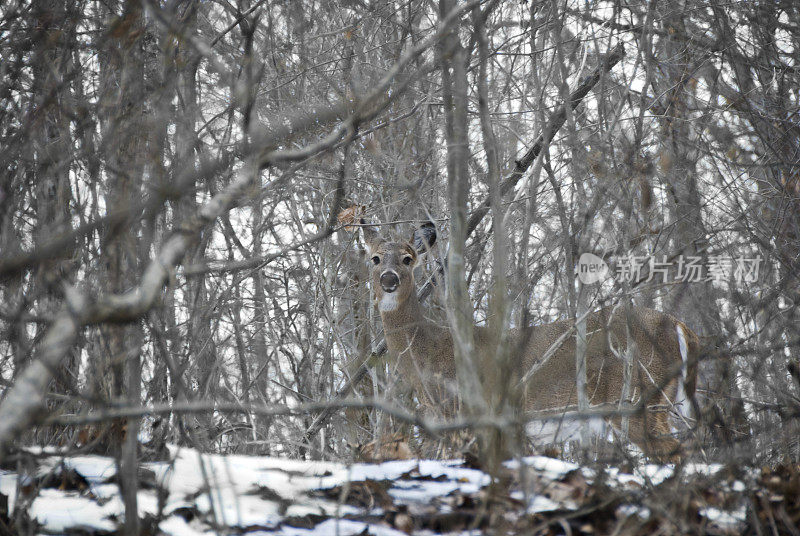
{"type": "Point", "coordinates": [424, 354]}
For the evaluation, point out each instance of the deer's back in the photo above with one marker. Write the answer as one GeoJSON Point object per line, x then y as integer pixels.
{"type": "Point", "coordinates": [554, 382]}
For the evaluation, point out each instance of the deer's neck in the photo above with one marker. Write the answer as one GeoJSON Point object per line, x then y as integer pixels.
{"type": "Point", "coordinates": [406, 329]}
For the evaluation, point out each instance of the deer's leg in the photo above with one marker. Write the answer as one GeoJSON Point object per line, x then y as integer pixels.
{"type": "Point", "coordinates": [652, 433]}
{"type": "Point", "coordinates": [662, 443]}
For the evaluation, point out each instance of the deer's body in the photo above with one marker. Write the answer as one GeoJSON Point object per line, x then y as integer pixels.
{"type": "Point", "coordinates": [665, 356]}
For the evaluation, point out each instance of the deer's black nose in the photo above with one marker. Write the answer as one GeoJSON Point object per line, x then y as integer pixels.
{"type": "Point", "coordinates": [389, 281]}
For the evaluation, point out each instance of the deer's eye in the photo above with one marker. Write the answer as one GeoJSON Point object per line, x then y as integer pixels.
{"type": "Point", "coordinates": [406, 260]}
{"type": "Point", "coordinates": [376, 260]}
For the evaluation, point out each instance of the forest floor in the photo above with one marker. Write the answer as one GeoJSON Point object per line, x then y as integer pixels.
{"type": "Point", "coordinates": [192, 494]}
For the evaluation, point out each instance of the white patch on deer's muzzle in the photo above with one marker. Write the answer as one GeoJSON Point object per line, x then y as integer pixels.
{"type": "Point", "coordinates": [388, 302]}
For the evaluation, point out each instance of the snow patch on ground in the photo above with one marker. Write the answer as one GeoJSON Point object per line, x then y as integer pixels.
{"type": "Point", "coordinates": [261, 494]}
{"type": "Point", "coordinates": [548, 467]}
{"type": "Point", "coordinates": [58, 511]}
{"type": "Point", "coordinates": [724, 519]}
{"type": "Point", "coordinates": [340, 527]}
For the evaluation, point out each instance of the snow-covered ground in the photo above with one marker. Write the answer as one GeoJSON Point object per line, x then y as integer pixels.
{"type": "Point", "coordinates": [192, 493]}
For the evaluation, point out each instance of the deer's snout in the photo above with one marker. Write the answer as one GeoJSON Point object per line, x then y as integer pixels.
{"type": "Point", "coordinates": [389, 281]}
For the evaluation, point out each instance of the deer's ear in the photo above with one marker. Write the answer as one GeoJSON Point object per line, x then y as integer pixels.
{"type": "Point", "coordinates": [424, 237]}
{"type": "Point", "coordinates": [370, 236]}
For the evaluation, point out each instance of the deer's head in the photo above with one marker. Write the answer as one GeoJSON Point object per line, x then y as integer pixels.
{"type": "Point", "coordinates": [392, 263]}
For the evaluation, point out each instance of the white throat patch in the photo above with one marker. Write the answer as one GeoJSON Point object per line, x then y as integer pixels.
{"type": "Point", "coordinates": [388, 302]}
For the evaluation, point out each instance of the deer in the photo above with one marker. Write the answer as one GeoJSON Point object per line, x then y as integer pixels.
{"type": "Point", "coordinates": [665, 359]}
